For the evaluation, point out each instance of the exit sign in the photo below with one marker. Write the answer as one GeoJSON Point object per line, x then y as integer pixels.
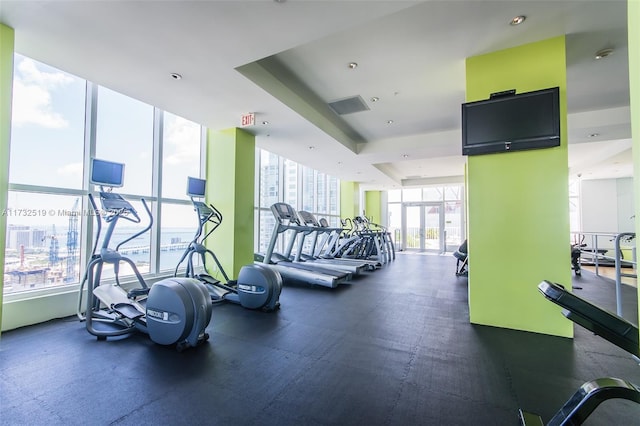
{"type": "Point", "coordinates": [248, 119]}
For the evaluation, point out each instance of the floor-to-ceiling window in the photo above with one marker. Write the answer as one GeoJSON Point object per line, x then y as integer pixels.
{"type": "Point", "coordinates": [283, 180]}
{"type": "Point", "coordinates": [42, 248]}
{"type": "Point", "coordinates": [59, 122]}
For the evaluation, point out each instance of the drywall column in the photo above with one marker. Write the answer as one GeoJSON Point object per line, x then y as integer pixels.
{"type": "Point", "coordinates": [518, 202]}
{"type": "Point", "coordinates": [230, 171]}
{"type": "Point", "coordinates": [7, 38]}
{"type": "Point", "coordinates": [372, 206]}
{"type": "Point", "coordinates": [634, 88]}
{"type": "Point", "coordinates": [349, 199]}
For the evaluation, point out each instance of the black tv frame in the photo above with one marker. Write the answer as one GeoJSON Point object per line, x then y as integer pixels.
{"type": "Point", "coordinates": [193, 186]}
{"type": "Point", "coordinates": [103, 173]}
{"type": "Point", "coordinates": [521, 144]}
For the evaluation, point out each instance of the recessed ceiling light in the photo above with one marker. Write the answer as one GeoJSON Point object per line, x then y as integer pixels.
{"type": "Point", "coordinates": [603, 53]}
{"type": "Point", "coordinates": [389, 121]}
{"type": "Point", "coordinates": [312, 147]}
{"type": "Point", "coordinates": [593, 135]}
{"type": "Point", "coordinates": [353, 65]}
{"type": "Point", "coordinates": [517, 20]}
{"type": "Point", "coordinates": [176, 76]}
{"type": "Point", "coordinates": [375, 99]}
{"type": "Point", "coordinates": [405, 155]}
{"type": "Point", "coordinates": [265, 122]}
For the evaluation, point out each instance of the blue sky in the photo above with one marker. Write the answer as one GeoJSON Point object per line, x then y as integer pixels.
{"type": "Point", "coordinates": [47, 145]}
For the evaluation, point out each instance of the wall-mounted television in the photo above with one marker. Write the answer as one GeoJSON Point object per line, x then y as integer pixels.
{"type": "Point", "coordinates": [106, 173]}
{"type": "Point", "coordinates": [195, 187]}
{"type": "Point", "coordinates": [512, 122]}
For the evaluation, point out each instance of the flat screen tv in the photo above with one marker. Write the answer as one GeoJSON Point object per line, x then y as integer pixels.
{"type": "Point", "coordinates": [107, 173]}
{"type": "Point", "coordinates": [195, 187]}
{"type": "Point", "coordinates": [511, 123]}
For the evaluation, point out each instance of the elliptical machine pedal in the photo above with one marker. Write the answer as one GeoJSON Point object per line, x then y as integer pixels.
{"type": "Point", "coordinates": [257, 287]}
{"type": "Point", "coordinates": [173, 311]}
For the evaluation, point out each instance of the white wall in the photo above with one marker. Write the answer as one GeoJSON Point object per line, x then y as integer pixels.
{"type": "Point", "coordinates": [606, 206]}
{"type": "Point", "coordinates": [626, 222]}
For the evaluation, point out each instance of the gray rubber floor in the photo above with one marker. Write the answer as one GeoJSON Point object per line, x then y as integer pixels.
{"type": "Point", "coordinates": [393, 348]}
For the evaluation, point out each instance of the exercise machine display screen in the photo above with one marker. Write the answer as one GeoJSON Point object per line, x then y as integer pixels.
{"type": "Point", "coordinates": [195, 187]}
{"type": "Point", "coordinates": [107, 173]}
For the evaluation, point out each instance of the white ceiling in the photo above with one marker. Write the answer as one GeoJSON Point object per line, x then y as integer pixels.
{"type": "Point", "coordinates": [285, 60]}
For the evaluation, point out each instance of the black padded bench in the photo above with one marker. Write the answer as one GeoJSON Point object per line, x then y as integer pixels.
{"type": "Point", "coordinates": [607, 325]}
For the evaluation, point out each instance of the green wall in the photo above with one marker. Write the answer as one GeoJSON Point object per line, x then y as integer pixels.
{"type": "Point", "coordinates": [349, 193]}
{"type": "Point", "coordinates": [373, 206]}
{"type": "Point", "coordinates": [230, 175]}
{"type": "Point", "coordinates": [6, 89]}
{"type": "Point", "coordinates": [518, 202]}
{"type": "Point", "coordinates": [634, 83]}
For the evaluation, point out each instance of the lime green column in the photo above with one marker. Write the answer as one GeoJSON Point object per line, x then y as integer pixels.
{"type": "Point", "coordinates": [518, 202]}
{"type": "Point", "coordinates": [230, 174]}
{"type": "Point", "coordinates": [372, 206]}
{"type": "Point", "coordinates": [6, 90]}
{"type": "Point", "coordinates": [349, 202]}
{"type": "Point", "coordinates": [633, 16]}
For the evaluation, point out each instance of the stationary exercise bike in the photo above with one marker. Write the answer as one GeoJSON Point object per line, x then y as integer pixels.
{"type": "Point", "coordinates": [257, 286]}
{"type": "Point", "coordinates": [172, 311]}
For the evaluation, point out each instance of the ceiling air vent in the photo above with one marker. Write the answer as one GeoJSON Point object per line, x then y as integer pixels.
{"type": "Point", "coordinates": [348, 105]}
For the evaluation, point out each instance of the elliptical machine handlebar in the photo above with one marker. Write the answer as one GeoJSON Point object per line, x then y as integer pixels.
{"type": "Point", "coordinates": [114, 208]}
{"type": "Point", "coordinates": [146, 229]}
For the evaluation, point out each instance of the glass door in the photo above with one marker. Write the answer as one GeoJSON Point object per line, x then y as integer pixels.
{"type": "Point", "coordinates": [433, 227]}
{"type": "Point", "coordinates": [414, 228]}
{"type": "Point", "coordinates": [424, 227]}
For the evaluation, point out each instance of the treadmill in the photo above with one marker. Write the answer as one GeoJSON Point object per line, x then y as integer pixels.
{"type": "Point", "coordinates": [607, 325]}
{"type": "Point", "coordinates": [287, 222]}
{"type": "Point", "coordinates": [308, 219]}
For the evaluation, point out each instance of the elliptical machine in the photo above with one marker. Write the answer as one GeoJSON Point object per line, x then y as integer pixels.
{"type": "Point", "coordinates": [257, 286]}
{"type": "Point", "coordinates": [173, 311]}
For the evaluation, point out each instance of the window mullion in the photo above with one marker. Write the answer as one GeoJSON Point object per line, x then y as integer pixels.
{"type": "Point", "coordinates": [156, 189]}
{"type": "Point", "coordinates": [87, 223]}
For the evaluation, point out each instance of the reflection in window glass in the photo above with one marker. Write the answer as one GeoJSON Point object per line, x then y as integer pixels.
{"type": "Point", "coordinates": [124, 134]}
{"type": "Point", "coordinates": [178, 227]}
{"type": "Point", "coordinates": [42, 245]}
{"type": "Point", "coordinates": [181, 155]}
{"type": "Point", "coordinates": [47, 126]}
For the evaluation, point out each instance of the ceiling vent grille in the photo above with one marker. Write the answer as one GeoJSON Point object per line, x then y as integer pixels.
{"type": "Point", "coordinates": [348, 105]}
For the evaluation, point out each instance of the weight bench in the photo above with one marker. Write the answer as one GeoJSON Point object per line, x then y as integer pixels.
{"type": "Point", "coordinates": [611, 327]}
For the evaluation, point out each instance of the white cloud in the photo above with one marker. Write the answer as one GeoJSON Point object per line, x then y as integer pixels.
{"type": "Point", "coordinates": [32, 96]}
{"type": "Point", "coordinates": [71, 169]}
{"type": "Point", "coordinates": [182, 139]}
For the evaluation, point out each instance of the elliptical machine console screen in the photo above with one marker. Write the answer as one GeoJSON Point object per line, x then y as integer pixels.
{"type": "Point", "coordinates": [195, 187]}
{"type": "Point", "coordinates": [107, 173]}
